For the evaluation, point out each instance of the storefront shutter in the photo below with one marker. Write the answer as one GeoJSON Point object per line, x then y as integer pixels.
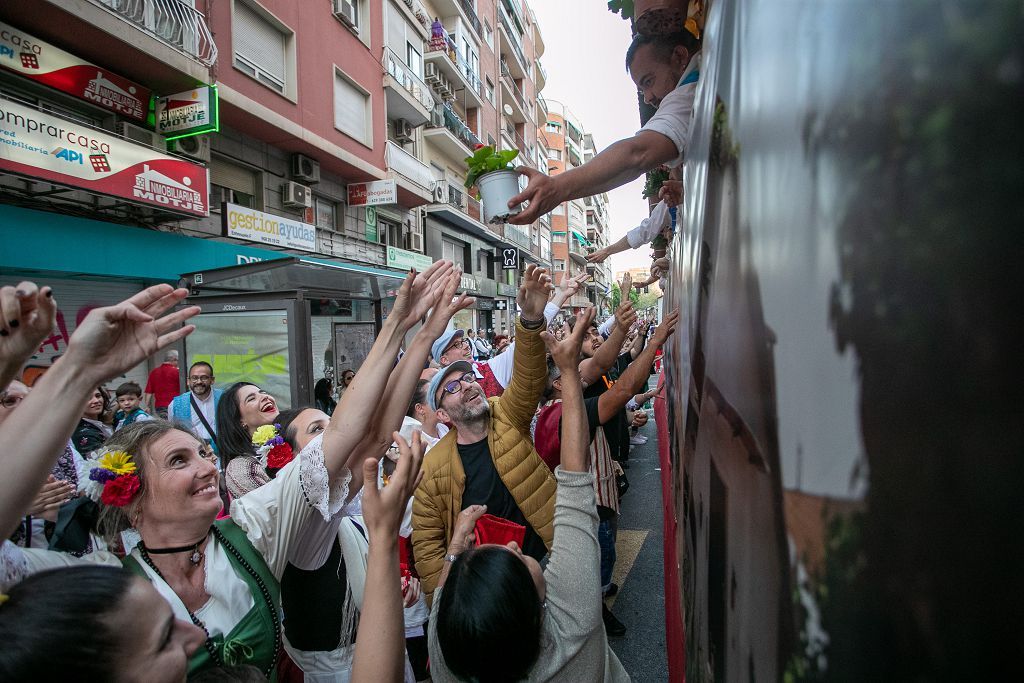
{"type": "Point", "coordinates": [233, 176]}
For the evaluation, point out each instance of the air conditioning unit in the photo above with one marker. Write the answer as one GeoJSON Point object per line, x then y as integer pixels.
{"type": "Point", "coordinates": [296, 195]}
{"type": "Point", "coordinates": [194, 147]}
{"type": "Point", "coordinates": [345, 10]}
{"type": "Point", "coordinates": [440, 191]}
{"type": "Point", "coordinates": [143, 136]}
{"type": "Point", "coordinates": [443, 86]}
{"type": "Point", "coordinates": [430, 72]}
{"type": "Point", "coordinates": [403, 130]}
{"type": "Point", "coordinates": [305, 169]}
{"type": "Point", "coordinates": [436, 117]}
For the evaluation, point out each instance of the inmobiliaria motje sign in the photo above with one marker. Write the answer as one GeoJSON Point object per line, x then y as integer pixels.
{"type": "Point", "coordinates": [40, 145]}
{"type": "Point", "coordinates": [36, 59]}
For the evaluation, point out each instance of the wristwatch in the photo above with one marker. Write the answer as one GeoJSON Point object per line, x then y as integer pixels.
{"type": "Point", "coordinates": [450, 557]}
{"type": "Point", "coordinates": [532, 324]}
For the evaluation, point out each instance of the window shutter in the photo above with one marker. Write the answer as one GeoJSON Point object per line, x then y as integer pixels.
{"type": "Point", "coordinates": [349, 108]}
{"type": "Point", "coordinates": [258, 42]}
{"type": "Point", "coordinates": [233, 176]}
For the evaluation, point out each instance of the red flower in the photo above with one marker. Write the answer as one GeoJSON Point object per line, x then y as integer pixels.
{"type": "Point", "coordinates": [478, 145]}
{"type": "Point", "coordinates": [279, 456]}
{"type": "Point", "coordinates": [120, 490]}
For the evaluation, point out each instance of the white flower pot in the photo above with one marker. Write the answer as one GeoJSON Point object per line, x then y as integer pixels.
{"type": "Point", "coordinates": [496, 188]}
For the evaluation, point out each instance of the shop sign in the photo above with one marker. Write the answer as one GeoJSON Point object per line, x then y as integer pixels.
{"type": "Point", "coordinates": [40, 145]}
{"type": "Point", "coordinates": [255, 226]}
{"type": "Point", "coordinates": [485, 304]}
{"type": "Point", "coordinates": [501, 305]}
{"type": "Point", "coordinates": [404, 260]}
{"type": "Point", "coordinates": [507, 289]}
{"type": "Point", "coordinates": [43, 63]}
{"type": "Point", "coordinates": [192, 112]}
{"type": "Point", "coordinates": [373, 193]}
{"type": "Point", "coordinates": [510, 259]}
{"type": "Point", "coordinates": [468, 283]}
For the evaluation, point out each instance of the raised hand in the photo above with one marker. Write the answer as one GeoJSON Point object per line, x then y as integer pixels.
{"type": "Point", "coordinates": [114, 339]}
{"type": "Point", "coordinates": [463, 535]}
{"type": "Point", "coordinates": [446, 305]}
{"type": "Point", "coordinates": [533, 292]}
{"type": "Point", "coordinates": [666, 328]}
{"type": "Point", "coordinates": [598, 256]}
{"type": "Point", "coordinates": [53, 494]}
{"type": "Point", "coordinates": [671, 192]}
{"type": "Point", "coordinates": [542, 192]}
{"type": "Point", "coordinates": [627, 284]}
{"type": "Point", "coordinates": [27, 315]}
{"type": "Point", "coordinates": [625, 314]}
{"type": "Point", "coordinates": [383, 509]}
{"type": "Point", "coordinates": [417, 293]}
{"type": "Point", "coordinates": [566, 352]}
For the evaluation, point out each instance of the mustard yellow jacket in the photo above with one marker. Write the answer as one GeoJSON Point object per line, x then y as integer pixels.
{"type": "Point", "coordinates": [438, 499]}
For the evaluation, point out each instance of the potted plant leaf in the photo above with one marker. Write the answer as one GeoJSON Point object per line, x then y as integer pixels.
{"type": "Point", "coordinates": [495, 179]}
{"type": "Point", "coordinates": [660, 246]}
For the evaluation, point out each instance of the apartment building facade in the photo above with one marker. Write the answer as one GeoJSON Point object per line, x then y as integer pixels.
{"type": "Point", "coordinates": [339, 136]}
{"type": "Point", "coordinates": [581, 225]}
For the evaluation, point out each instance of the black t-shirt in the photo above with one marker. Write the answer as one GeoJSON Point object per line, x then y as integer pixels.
{"type": "Point", "coordinates": [616, 429]}
{"type": "Point", "coordinates": [485, 487]}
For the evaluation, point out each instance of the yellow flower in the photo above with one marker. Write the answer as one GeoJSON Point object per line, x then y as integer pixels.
{"type": "Point", "coordinates": [264, 434]}
{"type": "Point", "coordinates": [117, 462]}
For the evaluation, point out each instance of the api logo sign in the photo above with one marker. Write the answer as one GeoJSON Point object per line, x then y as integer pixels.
{"type": "Point", "coordinates": [69, 155]}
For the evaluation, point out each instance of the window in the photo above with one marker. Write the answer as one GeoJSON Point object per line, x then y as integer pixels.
{"type": "Point", "coordinates": [559, 264]}
{"type": "Point", "coordinates": [390, 233]}
{"type": "Point", "coordinates": [454, 251]}
{"type": "Point", "coordinates": [352, 109]}
{"type": "Point", "coordinates": [554, 127]}
{"type": "Point", "coordinates": [414, 59]}
{"type": "Point", "coordinates": [263, 49]}
{"type": "Point", "coordinates": [555, 154]}
{"type": "Point", "coordinates": [232, 183]}
{"type": "Point", "coordinates": [326, 213]}
{"type": "Point", "coordinates": [489, 89]}
{"type": "Point", "coordinates": [488, 34]}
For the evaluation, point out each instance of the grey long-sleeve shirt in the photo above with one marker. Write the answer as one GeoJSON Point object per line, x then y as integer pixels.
{"type": "Point", "coordinates": [574, 646]}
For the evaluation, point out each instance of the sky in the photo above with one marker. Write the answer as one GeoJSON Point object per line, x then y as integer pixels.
{"type": "Point", "coordinates": [585, 51]}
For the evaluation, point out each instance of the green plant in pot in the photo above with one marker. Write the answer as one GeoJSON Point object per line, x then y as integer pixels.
{"type": "Point", "coordinates": [495, 179]}
{"type": "Point", "coordinates": [660, 246]}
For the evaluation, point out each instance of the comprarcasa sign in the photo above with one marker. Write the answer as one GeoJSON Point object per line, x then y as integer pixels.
{"type": "Point", "coordinates": [38, 144]}
{"type": "Point", "coordinates": [36, 59]}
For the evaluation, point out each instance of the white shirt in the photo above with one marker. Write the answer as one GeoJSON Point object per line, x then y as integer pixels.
{"type": "Point", "coordinates": [674, 117]}
{"type": "Point", "coordinates": [208, 409]}
{"type": "Point", "coordinates": [651, 227]}
{"type": "Point", "coordinates": [502, 364]}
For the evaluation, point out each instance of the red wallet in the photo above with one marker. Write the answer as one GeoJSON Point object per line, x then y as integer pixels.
{"type": "Point", "coordinates": [491, 529]}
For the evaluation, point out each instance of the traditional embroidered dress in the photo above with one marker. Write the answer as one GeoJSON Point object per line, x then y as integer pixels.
{"type": "Point", "coordinates": [293, 519]}
{"type": "Point", "coordinates": [492, 388]}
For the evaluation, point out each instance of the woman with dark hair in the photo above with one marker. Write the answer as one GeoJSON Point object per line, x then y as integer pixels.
{"type": "Point", "coordinates": [322, 394]}
{"type": "Point", "coordinates": [243, 409]}
{"type": "Point", "coordinates": [92, 623]}
{"type": "Point", "coordinates": [94, 426]}
{"type": "Point", "coordinates": [496, 615]}
{"type": "Point", "coordinates": [347, 375]}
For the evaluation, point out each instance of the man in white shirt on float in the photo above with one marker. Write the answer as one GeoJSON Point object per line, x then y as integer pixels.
{"type": "Point", "coordinates": [665, 70]}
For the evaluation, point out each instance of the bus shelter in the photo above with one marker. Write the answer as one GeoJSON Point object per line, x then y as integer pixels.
{"type": "Point", "coordinates": [283, 324]}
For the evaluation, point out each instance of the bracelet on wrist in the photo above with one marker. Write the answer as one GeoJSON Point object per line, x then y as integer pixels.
{"type": "Point", "coordinates": [532, 324]}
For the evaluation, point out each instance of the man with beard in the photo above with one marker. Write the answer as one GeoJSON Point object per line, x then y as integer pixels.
{"type": "Point", "coordinates": [488, 458]}
{"type": "Point", "coordinates": [197, 408]}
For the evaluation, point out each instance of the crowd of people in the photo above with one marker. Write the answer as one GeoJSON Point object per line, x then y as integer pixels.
{"type": "Point", "coordinates": [448, 514]}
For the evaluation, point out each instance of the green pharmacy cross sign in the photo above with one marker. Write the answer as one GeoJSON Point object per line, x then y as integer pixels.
{"type": "Point", "coordinates": [188, 113]}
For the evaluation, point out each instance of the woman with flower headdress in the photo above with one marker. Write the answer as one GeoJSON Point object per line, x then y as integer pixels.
{"type": "Point", "coordinates": [224, 576]}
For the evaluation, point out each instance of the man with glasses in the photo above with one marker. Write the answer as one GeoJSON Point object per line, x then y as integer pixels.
{"type": "Point", "coordinates": [197, 408]}
{"type": "Point", "coordinates": [488, 458]}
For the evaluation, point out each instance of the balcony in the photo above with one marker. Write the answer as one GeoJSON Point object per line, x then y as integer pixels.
{"type": "Point", "coordinates": [444, 60]}
{"type": "Point", "coordinates": [459, 8]}
{"type": "Point", "coordinates": [407, 96]}
{"type": "Point", "coordinates": [462, 211]}
{"type": "Point", "coordinates": [542, 75]}
{"type": "Point", "coordinates": [172, 22]}
{"type": "Point", "coordinates": [453, 137]}
{"type": "Point", "coordinates": [510, 43]}
{"type": "Point", "coordinates": [577, 251]}
{"type": "Point", "coordinates": [513, 96]}
{"type": "Point", "coordinates": [542, 111]}
{"type": "Point", "coordinates": [411, 173]}
{"type": "Point", "coordinates": [518, 235]}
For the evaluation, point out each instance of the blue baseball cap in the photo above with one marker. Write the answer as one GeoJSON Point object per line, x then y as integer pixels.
{"type": "Point", "coordinates": [443, 342]}
{"type": "Point", "coordinates": [438, 380]}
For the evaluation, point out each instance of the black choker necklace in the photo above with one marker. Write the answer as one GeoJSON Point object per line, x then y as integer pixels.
{"type": "Point", "coordinates": [195, 558]}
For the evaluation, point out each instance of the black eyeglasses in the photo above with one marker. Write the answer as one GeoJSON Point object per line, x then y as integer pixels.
{"type": "Point", "coordinates": [462, 342]}
{"type": "Point", "coordinates": [200, 378]}
{"type": "Point", "coordinates": [455, 386]}
{"type": "Point", "coordinates": [9, 401]}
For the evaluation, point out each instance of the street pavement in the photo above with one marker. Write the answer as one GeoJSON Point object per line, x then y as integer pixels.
{"type": "Point", "coordinates": [640, 604]}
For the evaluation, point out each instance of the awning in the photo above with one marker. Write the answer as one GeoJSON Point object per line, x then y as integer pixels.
{"type": "Point", "coordinates": [581, 237]}
{"type": "Point", "coordinates": [347, 281]}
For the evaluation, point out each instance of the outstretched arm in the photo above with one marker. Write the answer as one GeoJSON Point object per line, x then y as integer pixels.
{"type": "Point", "coordinates": [108, 342]}
{"type": "Point", "coordinates": [636, 374]}
{"type": "Point", "coordinates": [362, 399]}
{"type": "Point", "coordinates": [592, 368]}
{"type": "Point", "coordinates": [575, 435]}
{"type": "Point", "coordinates": [602, 254]}
{"type": "Point", "coordinates": [620, 163]}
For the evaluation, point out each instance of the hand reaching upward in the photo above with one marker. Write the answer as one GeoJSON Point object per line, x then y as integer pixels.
{"type": "Point", "coordinates": [533, 292]}
{"type": "Point", "coordinates": [566, 353]}
{"type": "Point", "coordinates": [417, 293]}
{"type": "Point", "coordinates": [27, 315]}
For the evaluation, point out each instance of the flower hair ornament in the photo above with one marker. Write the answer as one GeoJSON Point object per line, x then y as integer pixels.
{"type": "Point", "coordinates": [274, 452]}
{"type": "Point", "coordinates": [111, 479]}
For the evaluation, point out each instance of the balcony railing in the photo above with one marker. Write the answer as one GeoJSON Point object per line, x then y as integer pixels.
{"type": "Point", "coordinates": [460, 199]}
{"type": "Point", "coordinates": [405, 164]}
{"type": "Point", "coordinates": [171, 21]}
{"type": "Point", "coordinates": [397, 69]}
{"type": "Point", "coordinates": [449, 49]}
{"type": "Point", "coordinates": [513, 37]}
{"type": "Point", "coordinates": [459, 128]}
{"type": "Point", "coordinates": [516, 92]}
{"type": "Point", "coordinates": [474, 20]}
